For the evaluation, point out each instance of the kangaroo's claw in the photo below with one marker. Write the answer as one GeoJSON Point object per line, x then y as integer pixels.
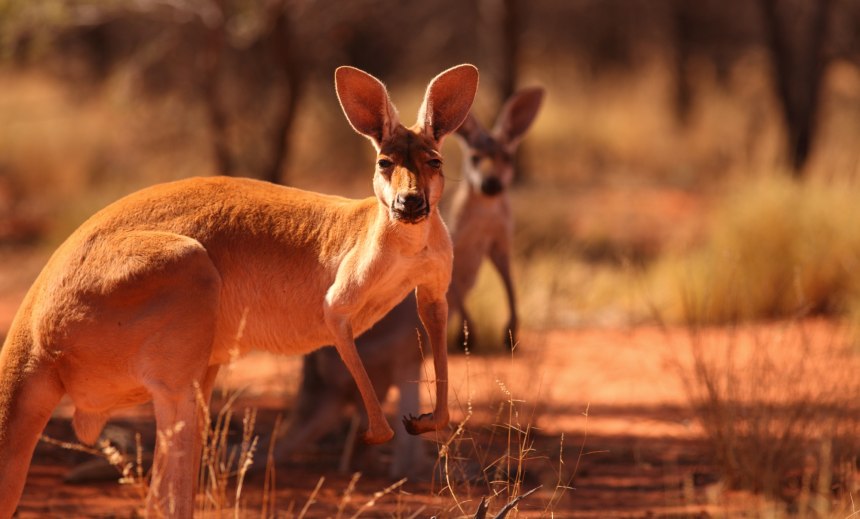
{"type": "Point", "coordinates": [420, 424]}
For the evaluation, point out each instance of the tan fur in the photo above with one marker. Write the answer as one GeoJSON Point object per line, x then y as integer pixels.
{"type": "Point", "coordinates": [389, 350]}
{"type": "Point", "coordinates": [390, 353]}
{"type": "Point", "coordinates": [481, 220]}
{"type": "Point", "coordinates": [149, 295]}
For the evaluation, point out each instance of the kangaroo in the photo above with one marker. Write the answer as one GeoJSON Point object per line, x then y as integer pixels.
{"type": "Point", "coordinates": [389, 350]}
{"type": "Point", "coordinates": [390, 353]}
{"type": "Point", "coordinates": [144, 300]}
{"type": "Point", "coordinates": [480, 220]}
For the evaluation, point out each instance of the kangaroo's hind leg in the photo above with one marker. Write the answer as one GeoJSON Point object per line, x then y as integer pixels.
{"type": "Point", "coordinates": [500, 256]}
{"type": "Point", "coordinates": [176, 383]}
{"type": "Point", "coordinates": [179, 420]}
{"type": "Point", "coordinates": [166, 303]}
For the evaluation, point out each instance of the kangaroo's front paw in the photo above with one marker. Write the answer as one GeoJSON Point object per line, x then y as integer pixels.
{"type": "Point", "coordinates": [421, 424]}
{"type": "Point", "coordinates": [376, 436]}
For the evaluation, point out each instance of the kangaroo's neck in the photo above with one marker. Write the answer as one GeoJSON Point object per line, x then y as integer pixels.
{"type": "Point", "coordinates": [468, 200]}
{"type": "Point", "coordinates": [408, 239]}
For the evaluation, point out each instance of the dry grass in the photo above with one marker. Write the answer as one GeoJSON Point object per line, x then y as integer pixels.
{"type": "Point", "coordinates": [774, 248]}
{"type": "Point", "coordinates": [64, 156]}
{"type": "Point", "coordinates": [476, 463]}
{"type": "Point", "coordinates": [778, 408]}
{"type": "Point", "coordinates": [773, 410]}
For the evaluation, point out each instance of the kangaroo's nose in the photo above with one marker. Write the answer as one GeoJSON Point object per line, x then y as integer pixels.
{"type": "Point", "coordinates": [491, 186]}
{"type": "Point", "coordinates": [410, 203]}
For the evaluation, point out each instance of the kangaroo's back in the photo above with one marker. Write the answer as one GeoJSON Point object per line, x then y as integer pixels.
{"type": "Point", "coordinates": [149, 296]}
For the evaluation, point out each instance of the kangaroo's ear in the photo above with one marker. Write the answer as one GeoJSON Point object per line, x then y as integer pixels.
{"type": "Point", "coordinates": [517, 115]}
{"type": "Point", "coordinates": [366, 104]}
{"type": "Point", "coordinates": [471, 130]}
{"type": "Point", "coordinates": [448, 100]}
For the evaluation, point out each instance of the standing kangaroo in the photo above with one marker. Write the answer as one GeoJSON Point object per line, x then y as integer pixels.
{"type": "Point", "coordinates": [481, 221]}
{"type": "Point", "coordinates": [145, 299]}
{"type": "Point", "coordinates": [389, 350]}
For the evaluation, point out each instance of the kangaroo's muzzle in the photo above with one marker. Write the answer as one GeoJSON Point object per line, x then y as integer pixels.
{"type": "Point", "coordinates": [410, 207]}
{"type": "Point", "coordinates": [491, 186]}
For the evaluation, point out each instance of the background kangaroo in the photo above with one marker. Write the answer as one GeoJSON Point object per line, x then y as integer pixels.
{"type": "Point", "coordinates": [144, 300]}
{"type": "Point", "coordinates": [481, 221]}
{"type": "Point", "coordinates": [389, 350]}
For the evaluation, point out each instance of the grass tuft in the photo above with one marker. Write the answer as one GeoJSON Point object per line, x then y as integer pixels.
{"type": "Point", "coordinates": [776, 247]}
{"type": "Point", "coordinates": [777, 407]}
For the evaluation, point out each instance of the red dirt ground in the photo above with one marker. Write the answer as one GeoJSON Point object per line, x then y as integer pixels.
{"type": "Point", "coordinates": [639, 439]}
{"type": "Point", "coordinates": [637, 453]}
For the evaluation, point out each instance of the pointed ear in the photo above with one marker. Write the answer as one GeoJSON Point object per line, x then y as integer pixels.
{"type": "Point", "coordinates": [365, 103]}
{"type": "Point", "coordinates": [471, 130]}
{"type": "Point", "coordinates": [518, 114]}
{"type": "Point", "coordinates": [448, 100]}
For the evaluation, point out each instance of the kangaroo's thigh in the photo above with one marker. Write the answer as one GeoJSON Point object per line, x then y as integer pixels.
{"type": "Point", "coordinates": [146, 321]}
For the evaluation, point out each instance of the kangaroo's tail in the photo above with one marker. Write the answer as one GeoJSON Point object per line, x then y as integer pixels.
{"type": "Point", "coordinates": [29, 391]}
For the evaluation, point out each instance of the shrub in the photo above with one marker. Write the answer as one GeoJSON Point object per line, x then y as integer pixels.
{"type": "Point", "coordinates": [775, 247]}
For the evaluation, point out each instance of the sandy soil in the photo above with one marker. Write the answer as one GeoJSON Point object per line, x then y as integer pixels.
{"type": "Point", "coordinates": [605, 408]}
{"type": "Point", "coordinates": [637, 453]}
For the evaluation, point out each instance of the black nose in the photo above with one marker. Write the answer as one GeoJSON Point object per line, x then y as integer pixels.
{"type": "Point", "coordinates": [411, 204]}
{"type": "Point", "coordinates": [491, 186]}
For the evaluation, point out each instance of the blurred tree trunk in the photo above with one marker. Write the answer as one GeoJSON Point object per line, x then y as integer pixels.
{"type": "Point", "coordinates": [501, 27]}
{"type": "Point", "coordinates": [282, 48]}
{"type": "Point", "coordinates": [498, 29]}
{"type": "Point", "coordinates": [681, 31]}
{"type": "Point", "coordinates": [217, 116]}
{"type": "Point", "coordinates": [796, 30]}
{"type": "Point", "coordinates": [511, 21]}
{"type": "Point", "coordinates": [279, 45]}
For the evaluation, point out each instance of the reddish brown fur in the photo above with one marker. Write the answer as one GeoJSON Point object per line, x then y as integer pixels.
{"type": "Point", "coordinates": [157, 290]}
{"type": "Point", "coordinates": [390, 349]}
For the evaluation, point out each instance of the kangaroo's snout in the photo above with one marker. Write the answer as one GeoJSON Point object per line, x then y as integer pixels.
{"type": "Point", "coordinates": [410, 207]}
{"type": "Point", "coordinates": [491, 186]}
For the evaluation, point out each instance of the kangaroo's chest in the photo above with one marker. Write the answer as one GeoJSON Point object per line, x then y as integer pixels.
{"type": "Point", "coordinates": [479, 226]}
{"type": "Point", "coordinates": [394, 283]}
{"type": "Point", "coordinates": [285, 314]}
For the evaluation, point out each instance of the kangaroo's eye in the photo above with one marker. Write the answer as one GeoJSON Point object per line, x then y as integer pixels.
{"type": "Point", "coordinates": [434, 163]}
{"type": "Point", "coordinates": [476, 159]}
{"type": "Point", "coordinates": [384, 163]}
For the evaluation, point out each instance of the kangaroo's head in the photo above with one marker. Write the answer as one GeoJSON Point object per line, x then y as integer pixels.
{"type": "Point", "coordinates": [489, 165]}
{"type": "Point", "coordinates": [408, 178]}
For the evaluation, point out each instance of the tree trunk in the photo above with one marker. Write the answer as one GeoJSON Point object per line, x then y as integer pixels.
{"type": "Point", "coordinates": [213, 50]}
{"type": "Point", "coordinates": [681, 31]}
{"type": "Point", "coordinates": [510, 45]}
{"type": "Point", "coordinates": [281, 47]}
{"type": "Point", "coordinates": [797, 51]}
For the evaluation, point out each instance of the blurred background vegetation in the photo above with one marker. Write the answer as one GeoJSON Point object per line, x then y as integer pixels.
{"type": "Point", "coordinates": [694, 160]}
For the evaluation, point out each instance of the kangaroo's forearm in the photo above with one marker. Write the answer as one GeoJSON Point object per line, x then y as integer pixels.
{"type": "Point", "coordinates": [434, 315]}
